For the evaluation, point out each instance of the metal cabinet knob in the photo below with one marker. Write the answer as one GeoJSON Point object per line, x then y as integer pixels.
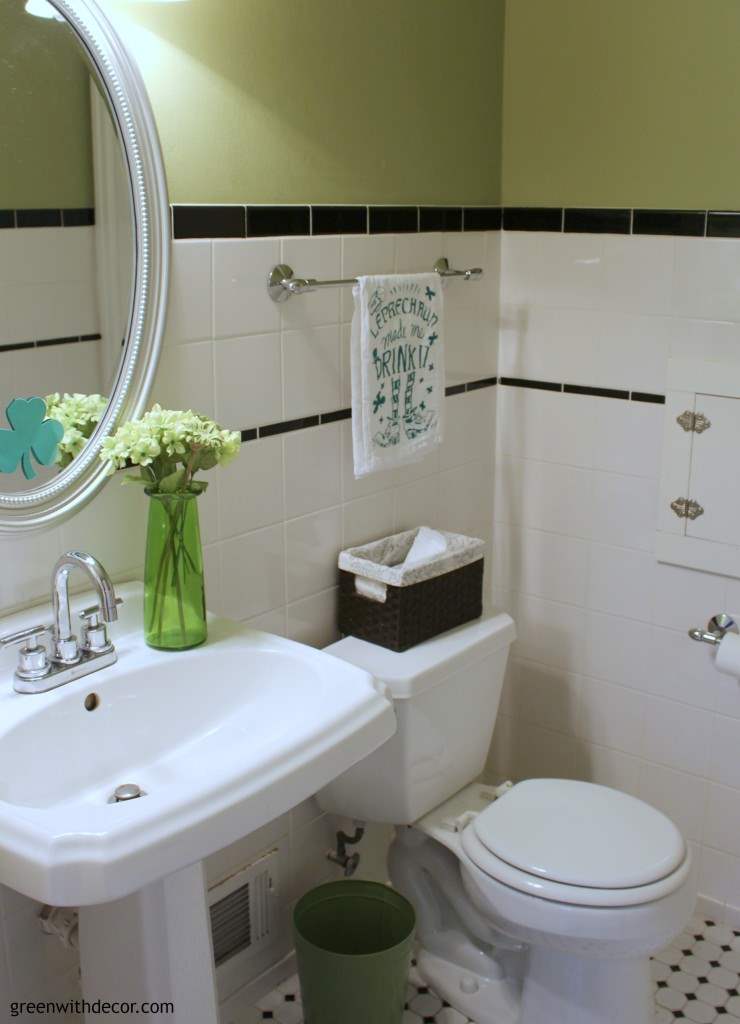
{"type": "Point", "coordinates": [686, 508]}
{"type": "Point", "coordinates": [695, 422]}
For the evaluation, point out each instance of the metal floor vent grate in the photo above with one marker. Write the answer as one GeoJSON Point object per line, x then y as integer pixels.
{"type": "Point", "coordinates": [241, 909]}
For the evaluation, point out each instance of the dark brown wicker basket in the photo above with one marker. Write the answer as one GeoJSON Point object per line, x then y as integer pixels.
{"type": "Point", "coordinates": [413, 613]}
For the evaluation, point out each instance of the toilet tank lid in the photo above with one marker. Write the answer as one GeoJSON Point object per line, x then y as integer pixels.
{"type": "Point", "coordinates": [408, 673]}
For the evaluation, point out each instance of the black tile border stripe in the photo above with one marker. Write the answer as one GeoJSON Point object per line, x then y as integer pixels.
{"type": "Point", "coordinates": [287, 425]}
{"type": "Point", "coordinates": [83, 216]}
{"type": "Point", "coordinates": [319, 419]}
{"type": "Point", "coordinates": [581, 389]}
{"type": "Point", "coordinates": [338, 415]}
{"type": "Point", "coordinates": [241, 220]}
{"type": "Point", "coordinates": [669, 222]}
{"type": "Point", "coordinates": [335, 417]}
{"type": "Point", "coordinates": [533, 218]}
{"type": "Point", "coordinates": [14, 346]}
{"type": "Point", "coordinates": [237, 220]}
{"type": "Point", "coordinates": [647, 396]}
{"type": "Point", "coordinates": [537, 385]}
{"type": "Point", "coordinates": [597, 222]}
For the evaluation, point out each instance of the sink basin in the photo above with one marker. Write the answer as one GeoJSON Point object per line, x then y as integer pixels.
{"type": "Point", "coordinates": [220, 739]}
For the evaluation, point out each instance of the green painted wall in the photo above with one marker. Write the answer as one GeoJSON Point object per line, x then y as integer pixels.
{"type": "Point", "coordinates": [323, 100]}
{"type": "Point", "coordinates": [45, 149]}
{"type": "Point", "coordinates": [622, 103]}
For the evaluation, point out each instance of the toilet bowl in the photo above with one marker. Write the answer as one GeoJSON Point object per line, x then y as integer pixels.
{"type": "Point", "coordinates": [538, 903]}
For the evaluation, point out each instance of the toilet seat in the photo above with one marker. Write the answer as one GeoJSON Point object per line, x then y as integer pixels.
{"type": "Point", "coordinates": [578, 843]}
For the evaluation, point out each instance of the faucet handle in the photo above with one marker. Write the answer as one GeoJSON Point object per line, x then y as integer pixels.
{"type": "Point", "coordinates": [94, 634]}
{"type": "Point", "coordinates": [91, 614]}
{"type": "Point", "coordinates": [33, 662]}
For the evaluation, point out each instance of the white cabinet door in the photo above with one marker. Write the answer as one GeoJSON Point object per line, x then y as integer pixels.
{"type": "Point", "coordinates": [714, 480]}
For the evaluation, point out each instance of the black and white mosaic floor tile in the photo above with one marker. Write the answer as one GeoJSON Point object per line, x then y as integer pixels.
{"type": "Point", "coordinates": [697, 979]}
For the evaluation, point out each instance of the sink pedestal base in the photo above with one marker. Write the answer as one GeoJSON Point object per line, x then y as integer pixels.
{"type": "Point", "coordinates": [155, 947]}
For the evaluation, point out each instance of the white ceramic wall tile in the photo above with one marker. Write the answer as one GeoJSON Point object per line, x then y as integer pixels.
{"type": "Point", "coordinates": [312, 469]}
{"type": "Point", "coordinates": [544, 496]}
{"type": "Point", "coordinates": [677, 736]}
{"type": "Point", "coordinates": [248, 381]}
{"type": "Point", "coordinates": [470, 425]}
{"type": "Point", "coordinates": [583, 346]}
{"type": "Point", "coordinates": [624, 511]}
{"type": "Point", "coordinates": [611, 716]}
{"type": "Point", "coordinates": [465, 500]}
{"type": "Point", "coordinates": [190, 310]}
{"type": "Point", "coordinates": [618, 650]}
{"type": "Point", "coordinates": [547, 426]}
{"type": "Point", "coordinates": [312, 257]}
{"type": "Point", "coordinates": [719, 876]}
{"type": "Point", "coordinates": [313, 619]}
{"type": "Point", "coordinates": [607, 767]}
{"type": "Point", "coordinates": [185, 378]}
{"type": "Point", "coordinates": [545, 696]}
{"type": "Point", "coordinates": [627, 437]}
{"type": "Point", "coordinates": [620, 582]}
{"type": "Point", "coordinates": [638, 273]}
{"type": "Point", "coordinates": [366, 519]}
{"type": "Point", "coordinates": [706, 274]}
{"type": "Point", "coordinates": [271, 622]}
{"type": "Point", "coordinates": [724, 763]}
{"type": "Point", "coordinates": [312, 379]}
{"type": "Point", "coordinates": [251, 488]}
{"type": "Point", "coordinates": [682, 670]}
{"type": "Point", "coordinates": [550, 633]}
{"type": "Point", "coordinates": [722, 825]}
{"type": "Point", "coordinates": [253, 573]}
{"type": "Point", "coordinates": [417, 254]}
{"type": "Point", "coordinates": [418, 503]}
{"type": "Point", "coordinates": [471, 309]}
{"type": "Point", "coordinates": [543, 564]}
{"type": "Point", "coordinates": [313, 544]}
{"type": "Point", "coordinates": [682, 797]}
{"type": "Point", "coordinates": [681, 597]}
{"type": "Point", "coordinates": [47, 283]}
{"type": "Point", "coordinates": [241, 304]}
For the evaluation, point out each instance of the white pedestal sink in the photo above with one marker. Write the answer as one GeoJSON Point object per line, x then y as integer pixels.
{"type": "Point", "coordinates": [221, 739]}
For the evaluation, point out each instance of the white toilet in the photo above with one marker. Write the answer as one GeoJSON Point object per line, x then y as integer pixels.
{"type": "Point", "coordinates": [539, 903]}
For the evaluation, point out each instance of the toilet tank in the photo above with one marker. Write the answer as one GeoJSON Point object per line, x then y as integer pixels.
{"type": "Point", "coordinates": [446, 693]}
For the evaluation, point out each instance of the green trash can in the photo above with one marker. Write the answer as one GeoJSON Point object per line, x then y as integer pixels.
{"type": "Point", "coordinates": [353, 945]}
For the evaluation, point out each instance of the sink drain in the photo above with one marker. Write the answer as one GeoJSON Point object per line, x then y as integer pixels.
{"type": "Point", "coordinates": [128, 791]}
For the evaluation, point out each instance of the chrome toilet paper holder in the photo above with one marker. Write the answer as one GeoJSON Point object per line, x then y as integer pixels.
{"type": "Point", "coordinates": [716, 629]}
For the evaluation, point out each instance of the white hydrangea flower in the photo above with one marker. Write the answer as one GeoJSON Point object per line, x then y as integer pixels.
{"type": "Point", "coordinates": [170, 444]}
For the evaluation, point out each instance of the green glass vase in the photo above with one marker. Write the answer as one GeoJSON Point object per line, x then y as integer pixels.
{"type": "Point", "coordinates": [174, 589]}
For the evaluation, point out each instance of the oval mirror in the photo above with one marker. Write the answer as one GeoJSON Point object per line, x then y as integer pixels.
{"type": "Point", "coordinates": [84, 237]}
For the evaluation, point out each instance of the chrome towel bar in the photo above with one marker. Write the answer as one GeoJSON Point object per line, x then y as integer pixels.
{"type": "Point", "coordinates": [282, 284]}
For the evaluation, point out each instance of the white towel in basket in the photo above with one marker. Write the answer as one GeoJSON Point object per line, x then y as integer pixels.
{"type": "Point", "coordinates": [398, 380]}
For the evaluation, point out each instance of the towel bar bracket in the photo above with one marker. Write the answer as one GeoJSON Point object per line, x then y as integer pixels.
{"type": "Point", "coordinates": [282, 282]}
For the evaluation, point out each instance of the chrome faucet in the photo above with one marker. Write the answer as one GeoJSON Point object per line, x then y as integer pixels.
{"type": "Point", "coordinates": [39, 670]}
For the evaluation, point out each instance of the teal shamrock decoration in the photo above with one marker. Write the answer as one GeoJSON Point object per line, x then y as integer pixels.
{"type": "Point", "coordinates": [31, 433]}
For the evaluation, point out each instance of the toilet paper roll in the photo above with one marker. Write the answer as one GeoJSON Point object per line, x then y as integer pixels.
{"type": "Point", "coordinates": [728, 655]}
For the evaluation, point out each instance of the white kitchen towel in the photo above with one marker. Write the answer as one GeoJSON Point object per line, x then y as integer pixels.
{"type": "Point", "coordinates": [398, 378]}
